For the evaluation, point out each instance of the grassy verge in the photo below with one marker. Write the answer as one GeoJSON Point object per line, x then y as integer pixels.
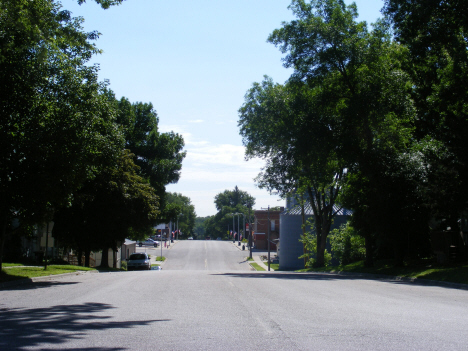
{"type": "Point", "coordinates": [15, 272]}
{"type": "Point", "coordinates": [453, 273]}
{"type": "Point", "coordinates": [160, 258]}
{"type": "Point", "coordinates": [257, 267]}
{"type": "Point", "coordinates": [12, 264]}
{"type": "Point", "coordinates": [274, 266]}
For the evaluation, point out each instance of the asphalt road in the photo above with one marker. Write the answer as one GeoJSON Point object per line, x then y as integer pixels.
{"type": "Point", "coordinates": [207, 298]}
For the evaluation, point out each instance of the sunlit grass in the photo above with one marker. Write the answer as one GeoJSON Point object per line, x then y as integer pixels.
{"type": "Point", "coordinates": [15, 272]}
{"type": "Point", "coordinates": [12, 264]}
{"type": "Point", "coordinates": [424, 269]}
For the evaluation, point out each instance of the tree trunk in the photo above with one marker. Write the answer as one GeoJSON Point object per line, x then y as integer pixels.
{"type": "Point", "coordinates": [105, 258]}
{"type": "Point", "coordinates": [369, 261]}
{"type": "Point", "coordinates": [79, 254]}
{"type": "Point", "coordinates": [2, 240]}
{"type": "Point", "coordinates": [87, 255]}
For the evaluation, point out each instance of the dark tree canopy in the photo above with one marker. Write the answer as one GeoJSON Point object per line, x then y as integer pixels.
{"type": "Point", "coordinates": [56, 125]}
{"type": "Point", "coordinates": [159, 155]}
{"type": "Point", "coordinates": [233, 198]}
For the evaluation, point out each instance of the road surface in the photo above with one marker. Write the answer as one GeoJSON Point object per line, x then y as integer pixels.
{"type": "Point", "coordinates": [207, 298]}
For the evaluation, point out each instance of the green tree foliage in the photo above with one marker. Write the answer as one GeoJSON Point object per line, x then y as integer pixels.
{"type": "Point", "coordinates": [345, 106]}
{"type": "Point", "coordinates": [56, 127]}
{"type": "Point", "coordinates": [105, 4]}
{"type": "Point", "coordinates": [227, 203]}
{"type": "Point", "coordinates": [181, 210]}
{"type": "Point", "coordinates": [286, 125]}
{"type": "Point", "coordinates": [234, 199]}
{"type": "Point", "coordinates": [199, 230]}
{"type": "Point", "coordinates": [436, 35]}
{"type": "Point", "coordinates": [159, 155]}
{"type": "Point", "coordinates": [347, 245]}
{"type": "Point", "coordinates": [107, 209]}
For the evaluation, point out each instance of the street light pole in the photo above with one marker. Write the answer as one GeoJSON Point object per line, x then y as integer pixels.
{"type": "Point", "coordinates": [250, 232]}
{"type": "Point", "coordinates": [238, 229]}
{"type": "Point", "coordinates": [233, 240]}
{"type": "Point", "coordinates": [177, 230]}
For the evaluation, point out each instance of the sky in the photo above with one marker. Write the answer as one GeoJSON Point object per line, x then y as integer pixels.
{"type": "Point", "coordinates": [194, 60]}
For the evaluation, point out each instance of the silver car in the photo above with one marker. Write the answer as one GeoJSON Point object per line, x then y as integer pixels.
{"type": "Point", "coordinates": [148, 242]}
{"type": "Point", "coordinates": [138, 260]}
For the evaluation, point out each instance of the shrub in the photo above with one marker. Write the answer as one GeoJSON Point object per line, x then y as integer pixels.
{"type": "Point", "coordinates": [310, 243]}
{"type": "Point", "coordinates": [347, 245]}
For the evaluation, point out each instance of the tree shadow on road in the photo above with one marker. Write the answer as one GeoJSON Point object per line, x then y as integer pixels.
{"type": "Point", "coordinates": [22, 328]}
{"type": "Point", "coordinates": [28, 284]}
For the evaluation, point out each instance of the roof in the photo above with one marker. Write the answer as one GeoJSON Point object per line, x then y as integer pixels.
{"type": "Point", "coordinates": [129, 242]}
{"type": "Point", "coordinates": [308, 211]}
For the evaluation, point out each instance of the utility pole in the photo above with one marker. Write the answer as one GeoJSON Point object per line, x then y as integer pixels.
{"type": "Point", "coordinates": [250, 232]}
{"type": "Point", "coordinates": [268, 240]}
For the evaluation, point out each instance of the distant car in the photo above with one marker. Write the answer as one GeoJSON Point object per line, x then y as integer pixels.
{"type": "Point", "coordinates": [148, 242]}
{"type": "Point", "coordinates": [138, 260]}
{"type": "Point", "coordinates": [190, 238]}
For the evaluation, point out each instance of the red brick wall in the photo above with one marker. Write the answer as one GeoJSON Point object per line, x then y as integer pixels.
{"type": "Point", "coordinates": [261, 226]}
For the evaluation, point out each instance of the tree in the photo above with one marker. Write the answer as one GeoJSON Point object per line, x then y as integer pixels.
{"type": "Point", "coordinates": [233, 199]}
{"type": "Point", "coordinates": [107, 209]}
{"type": "Point", "coordinates": [183, 213]}
{"type": "Point", "coordinates": [345, 103]}
{"type": "Point", "coordinates": [105, 4]}
{"type": "Point", "coordinates": [436, 35]}
{"type": "Point", "coordinates": [286, 125]}
{"type": "Point", "coordinates": [227, 203]}
{"type": "Point", "coordinates": [56, 127]}
{"type": "Point", "coordinates": [159, 155]}
{"type": "Point", "coordinates": [199, 230]}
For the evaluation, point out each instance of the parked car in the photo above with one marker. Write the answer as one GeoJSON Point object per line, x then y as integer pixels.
{"type": "Point", "coordinates": [148, 242]}
{"type": "Point", "coordinates": [138, 260]}
{"type": "Point", "coordinates": [190, 238]}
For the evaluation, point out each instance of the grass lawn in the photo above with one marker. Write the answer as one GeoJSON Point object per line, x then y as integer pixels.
{"type": "Point", "coordinates": [15, 272]}
{"type": "Point", "coordinates": [453, 273]}
{"type": "Point", "coordinates": [12, 264]}
{"type": "Point", "coordinates": [274, 266]}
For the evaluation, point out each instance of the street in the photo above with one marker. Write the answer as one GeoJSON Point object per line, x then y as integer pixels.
{"type": "Point", "coordinates": [206, 297]}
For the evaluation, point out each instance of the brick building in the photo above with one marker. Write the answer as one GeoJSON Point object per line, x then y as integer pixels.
{"type": "Point", "coordinates": [263, 220]}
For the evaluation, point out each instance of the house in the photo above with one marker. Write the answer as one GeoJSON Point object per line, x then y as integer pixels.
{"type": "Point", "coordinates": [291, 232]}
{"type": "Point", "coordinates": [34, 248]}
{"type": "Point", "coordinates": [266, 220]}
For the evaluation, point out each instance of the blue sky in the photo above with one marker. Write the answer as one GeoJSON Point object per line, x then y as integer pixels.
{"type": "Point", "coordinates": [195, 60]}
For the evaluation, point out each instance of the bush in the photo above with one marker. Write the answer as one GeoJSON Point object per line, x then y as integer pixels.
{"type": "Point", "coordinates": [123, 265]}
{"type": "Point", "coordinates": [347, 245]}
{"type": "Point", "coordinates": [310, 242]}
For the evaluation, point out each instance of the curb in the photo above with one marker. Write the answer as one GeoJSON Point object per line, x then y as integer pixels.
{"type": "Point", "coordinates": [418, 281]}
{"type": "Point", "coordinates": [39, 279]}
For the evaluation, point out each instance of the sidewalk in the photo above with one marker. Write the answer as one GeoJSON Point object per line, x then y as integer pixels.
{"type": "Point", "coordinates": [256, 256]}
